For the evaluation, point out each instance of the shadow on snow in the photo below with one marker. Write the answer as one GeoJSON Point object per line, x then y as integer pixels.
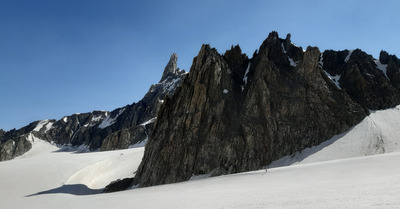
{"type": "Point", "coordinates": [73, 189]}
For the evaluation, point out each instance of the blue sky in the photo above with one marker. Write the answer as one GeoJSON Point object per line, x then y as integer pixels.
{"type": "Point", "coordinates": [59, 57]}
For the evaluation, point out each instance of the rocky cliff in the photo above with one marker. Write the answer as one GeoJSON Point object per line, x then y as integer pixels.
{"type": "Point", "coordinates": [104, 130]}
{"type": "Point", "coordinates": [233, 113]}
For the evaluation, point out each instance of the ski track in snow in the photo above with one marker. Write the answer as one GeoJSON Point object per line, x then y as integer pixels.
{"type": "Point", "coordinates": [335, 174]}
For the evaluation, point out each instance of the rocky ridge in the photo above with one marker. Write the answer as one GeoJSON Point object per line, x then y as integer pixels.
{"type": "Point", "coordinates": [98, 130]}
{"type": "Point", "coordinates": [234, 114]}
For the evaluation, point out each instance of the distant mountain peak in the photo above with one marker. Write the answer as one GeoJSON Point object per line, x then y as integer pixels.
{"type": "Point", "coordinates": [104, 130]}
{"type": "Point", "coordinates": [171, 68]}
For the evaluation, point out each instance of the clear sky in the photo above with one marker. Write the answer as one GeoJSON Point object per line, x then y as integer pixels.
{"type": "Point", "coordinates": [60, 57]}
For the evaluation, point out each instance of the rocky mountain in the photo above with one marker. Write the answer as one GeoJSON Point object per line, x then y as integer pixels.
{"type": "Point", "coordinates": [234, 114]}
{"type": "Point", "coordinates": [104, 130]}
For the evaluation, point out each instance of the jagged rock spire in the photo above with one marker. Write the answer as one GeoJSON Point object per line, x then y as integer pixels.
{"type": "Point", "coordinates": [171, 67]}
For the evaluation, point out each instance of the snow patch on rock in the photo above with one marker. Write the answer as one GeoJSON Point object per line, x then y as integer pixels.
{"type": "Point", "coordinates": [108, 121]}
{"type": "Point", "coordinates": [348, 56]}
{"type": "Point", "coordinates": [335, 79]}
{"type": "Point", "coordinates": [44, 123]}
{"type": "Point", "coordinates": [321, 60]}
{"type": "Point", "coordinates": [381, 67]}
{"type": "Point", "coordinates": [149, 121]}
{"type": "Point", "coordinates": [245, 76]}
{"type": "Point", "coordinates": [292, 62]}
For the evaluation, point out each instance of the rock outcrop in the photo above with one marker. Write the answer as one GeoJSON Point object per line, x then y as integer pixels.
{"type": "Point", "coordinates": [392, 64]}
{"type": "Point", "coordinates": [104, 130]}
{"type": "Point", "coordinates": [369, 82]}
{"type": "Point", "coordinates": [234, 114]}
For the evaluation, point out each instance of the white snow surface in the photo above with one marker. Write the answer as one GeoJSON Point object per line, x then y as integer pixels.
{"type": "Point", "coordinates": [348, 56]}
{"type": "Point", "coordinates": [108, 121]}
{"type": "Point", "coordinates": [40, 125]}
{"type": "Point", "coordinates": [381, 67]}
{"type": "Point", "coordinates": [140, 144]}
{"type": "Point", "coordinates": [169, 85]}
{"type": "Point", "coordinates": [49, 125]}
{"type": "Point", "coordinates": [335, 174]}
{"type": "Point", "coordinates": [292, 62]}
{"type": "Point", "coordinates": [283, 48]}
{"type": "Point", "coordinates": [334, 79]}
{"type": "Point", "coordinates": [44, 123]}
{"type": "Point", "coordinates": [152, 120]}
{"type": "Point", "coordinates": [245, 75]}
{"type": "Point", "coordinates": [96, 118]}
{"type": "Point", "coordinates": [378, 133]}
{"type": "Point", "coordinates": [321, 60]}
{"type": "Point", "coordinates": [43, 173]}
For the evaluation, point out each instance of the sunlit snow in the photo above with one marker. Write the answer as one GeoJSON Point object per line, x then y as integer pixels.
{"type": "Point", "coordinates": [108, 121]}
{"type": "Point", "coordinates": [152, 120]}
{"type": "Point", "coordinates": [44, 123]}
{"type": "Point", "coordinates": [378, 133]}
{"type": "Point", "coordinates": [335, 174]}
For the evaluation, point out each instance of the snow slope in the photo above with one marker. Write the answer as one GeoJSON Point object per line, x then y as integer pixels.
{"type": "Point", "coordinates": [46, 177]}
{"type": "Point", "coordinates": [377, 134]}
{"type": "Point", "coordinates": [46, 169]}
{"type": "Point", "coordinates": [367, 182]}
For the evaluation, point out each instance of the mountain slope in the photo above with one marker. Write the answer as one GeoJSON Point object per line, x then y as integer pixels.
{"type": "Point", "coordinates": [52, 178]}
{"type": "Point", "coordinates": [234, 114]}
{"type": "Point", "coordinates": [378, 133]}
{"type": "Point", "coordinates": [102, 130]}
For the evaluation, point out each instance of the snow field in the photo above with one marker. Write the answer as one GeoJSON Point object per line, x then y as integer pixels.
{"type": "Point", "coordinates": [46, 169]}
{"type": "Point", "coordinates": [357, 169]}
{"type": "Point", "coordinates": [367, 182]}
{"type": "Point", "coordinates": [378, 133]}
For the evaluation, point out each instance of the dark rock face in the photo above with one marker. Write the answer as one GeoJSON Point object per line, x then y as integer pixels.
{"type": "Point", "coordinates": [13, 148]}
{"type": "Point", "coordinates": [235, 114]}
{"type": "Point", "coordinates": [14, 143]}
{"type": "Point", "coordinates": [393, 68]}
{"type": "Point", "coordinates": [144, 113]}
{"type": "Point", "coordinates": [118, 185]}
{"type": "Point", "coordinates": [102, 130]}
{"type": "Point", "coordinates": [371, 83]}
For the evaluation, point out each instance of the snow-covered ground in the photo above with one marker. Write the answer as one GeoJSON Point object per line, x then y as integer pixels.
{"type": "Point", "coordinates": [378, 133]}
{"type": "Point", "coordinates": [30, 180]}
{"type": "Point", "coordinates": [336, 174]}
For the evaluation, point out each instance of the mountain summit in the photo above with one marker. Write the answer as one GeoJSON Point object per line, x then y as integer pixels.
{"type": "Point", "coordinates": [171, 68]}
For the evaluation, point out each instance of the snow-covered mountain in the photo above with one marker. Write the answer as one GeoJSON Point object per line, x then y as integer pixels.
{"type": "Point", "coordinates": [378, 133]}
{"type": "Point", "coordinates": [234, 113]}
{"type": "Point", "coordinates": [287, 128]}
{"type": "Point", "coordinates": [46, 177]}
{"type": "Point", "coordinates": [104, 130]}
